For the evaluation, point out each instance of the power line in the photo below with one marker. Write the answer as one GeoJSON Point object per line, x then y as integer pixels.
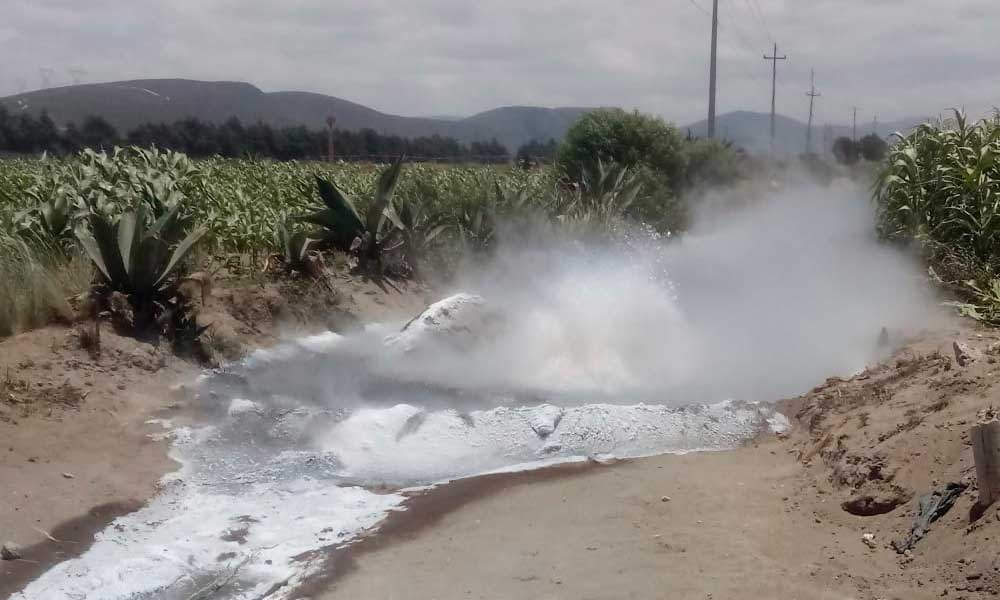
{"type": "Point", "coordinates": [760, 17]}
{"type": "Point", "coordinates": [700, 7]}
{"type": "Point", "coordinates": [712, 69]}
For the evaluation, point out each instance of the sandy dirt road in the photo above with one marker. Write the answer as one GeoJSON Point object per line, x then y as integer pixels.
{"type": "Point", "coordinates": [728, 530]}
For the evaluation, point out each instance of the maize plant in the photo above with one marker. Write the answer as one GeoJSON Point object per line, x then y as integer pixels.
{"type": "Point", "coordinates": [940, 185]}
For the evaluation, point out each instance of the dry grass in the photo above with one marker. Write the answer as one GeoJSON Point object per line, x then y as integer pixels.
{"type": "Point", "coordinates": [36, 282]}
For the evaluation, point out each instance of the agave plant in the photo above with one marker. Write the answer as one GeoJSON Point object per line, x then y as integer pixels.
{"type": "Point", "coordinates": [343, 227]}
{"type": "Point", "coordinates": [477, 227]}
{"type": "Point", "coordinates": [297, 254]}
{"type": "Point", "coordinates": [137, 256]}
{"type": "Point", "coordinates": [604, 195]}
{"type": "Point", "coordinates": [419, 230]}
{"type": "Point", "coordinates": [52, 219]}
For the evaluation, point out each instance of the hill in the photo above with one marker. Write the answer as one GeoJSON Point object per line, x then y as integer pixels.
{"type": "Point", "coordinates": [126, 104]}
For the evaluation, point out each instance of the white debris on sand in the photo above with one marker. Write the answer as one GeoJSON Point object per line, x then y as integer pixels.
{"type": "Point", "coordinates": [240, 406]}
{"type": "Point", "coordinates": [545, 418]}
{"type": "Point", "coordinates": [458, 320]}
{"type": "Point", "coordinates": [275, 478]}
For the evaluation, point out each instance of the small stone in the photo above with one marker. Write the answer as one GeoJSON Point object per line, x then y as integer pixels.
{"type": "Point", "coordinates": [69, 475]}
{"type": "Point", "coordinates": [665, 499]}
{"type": "Point", "coordinates": [10, 551]}
{"type": "Point", "coordinates": [963, 354]}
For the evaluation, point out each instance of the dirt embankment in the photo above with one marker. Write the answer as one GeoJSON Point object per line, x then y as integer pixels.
{"type": "Point", "coordinates": [872, 445]}
{"type": "Point", "coordinates": [76, 445]}
{"type": "Point", "coordinates": [809, 516]}
{"type": "Point", "coordinates": [77, 449]}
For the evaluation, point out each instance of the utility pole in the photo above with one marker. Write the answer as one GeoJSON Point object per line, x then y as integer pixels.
{"type": "Point", "coordinates": [331, 121]}
{"type": "Point", "coordinates": [854, 127]}
{"type": "Point", "coordinates": [712, 69]}
{"type": "Point", "coordinates": [813, 94]}
{"type": "Point", "coordinates": [875, 125]}
{"type": "Point", "coordinates": [774, 83]}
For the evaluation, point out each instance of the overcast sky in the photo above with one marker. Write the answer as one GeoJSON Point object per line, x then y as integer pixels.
{"type": "Point", "coordinates": [896, 58]}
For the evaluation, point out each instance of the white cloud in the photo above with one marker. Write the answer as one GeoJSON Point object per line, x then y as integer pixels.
{"type": "Point", "coordinates": [892, 57]}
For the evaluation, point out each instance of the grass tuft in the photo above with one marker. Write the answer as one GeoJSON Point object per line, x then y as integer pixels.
{"type": "Point", "coordinates": [36, 284]}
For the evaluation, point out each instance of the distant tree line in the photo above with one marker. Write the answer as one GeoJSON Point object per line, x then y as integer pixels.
{"type": "Point", "coordinates": [26, 134]}
{"type": "Point", "coordinates": [535, 152]}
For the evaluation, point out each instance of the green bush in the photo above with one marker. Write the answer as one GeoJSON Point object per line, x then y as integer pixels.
{"type": "Point", "coordinates": [710, 162]}
{"type": "Point", "coordinates": [873, 148]}
{"type": "Point", "coordinates": [629, 139]}
{"type": "Point", "coordinates": [846, 151]}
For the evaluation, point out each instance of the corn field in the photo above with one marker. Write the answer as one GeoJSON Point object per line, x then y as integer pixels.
{"type": "Point", "coordinates": [941, 187]}
{"type": "Point", "coordinates": [130, 210]}
{"type": "Point", "coordinates": [242, 202]}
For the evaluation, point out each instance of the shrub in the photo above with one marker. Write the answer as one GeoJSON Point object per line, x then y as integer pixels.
{"type": "Point", "coordinates": [873, 148]}
{"type": "Point", "coordinates": [846, 151]}
{"type": "Point", "coordinates": [629, 139]}
{"type": "Point", "coordinates": [710, 162]}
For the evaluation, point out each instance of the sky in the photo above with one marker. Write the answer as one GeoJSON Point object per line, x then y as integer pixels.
{"type": "Point", "coordinates": [891, 58]}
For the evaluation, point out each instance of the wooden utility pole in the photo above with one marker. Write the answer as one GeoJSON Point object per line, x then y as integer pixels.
{"type": "Point", "coordinates": [875, 125]}
{"type": "Point", "coordinates": [813, 94]}
{"type": "Point", "coordinates": [774, 83]}
{"type": "Point", "coordinates": [331, 121]}
{"type": "Point", "coordinates": [854, 127]}
{"type": "Point", "coordinates": [712, 69]}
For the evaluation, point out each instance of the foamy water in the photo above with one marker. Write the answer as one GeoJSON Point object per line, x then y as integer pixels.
{"type": "Point", "coordinates": [292, 442]}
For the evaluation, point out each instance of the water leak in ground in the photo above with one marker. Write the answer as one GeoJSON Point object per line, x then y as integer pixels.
{"type": "Point", "coordinates": [304, 447]}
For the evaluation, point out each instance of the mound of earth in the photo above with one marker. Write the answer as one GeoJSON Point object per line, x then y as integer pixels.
{"type": "Point", "coordinates": [873, 444]}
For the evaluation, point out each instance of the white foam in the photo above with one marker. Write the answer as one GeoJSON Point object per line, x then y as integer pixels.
{"type": "Point", "coordinates": [191, 534]}
{"type": "Point", "coordinates": [276, 473]}
{"type": "Point", "coordinates": [404, 443]}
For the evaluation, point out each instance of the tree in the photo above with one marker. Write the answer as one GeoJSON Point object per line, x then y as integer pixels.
{"type": "Point", "coordinates": [491, 151]}
{"type": "Point", "coordinates": [874, 148]}
{"type": "Point", "coordinates": [535, 152]}
{"type": "Point", "coordinates": [24, 133]}
{"type": "Point", "coordinates": [98, 133]}
{"type": "Point", "coordinates": [846, 150]}
{"type": "Point", "coordinates": [631, 139]}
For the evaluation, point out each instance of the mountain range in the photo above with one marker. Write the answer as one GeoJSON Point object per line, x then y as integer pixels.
{"type": "Point", "coordinates": [127, 104]}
